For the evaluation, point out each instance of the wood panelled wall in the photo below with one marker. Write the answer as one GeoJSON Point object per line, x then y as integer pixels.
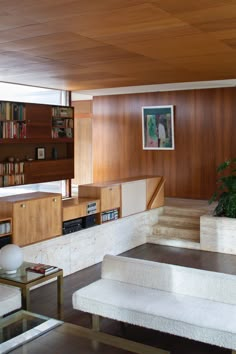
{"type": "Point", "coordinates": [205, 135]}
{"type": "Point", "coordinates": [83, 142]}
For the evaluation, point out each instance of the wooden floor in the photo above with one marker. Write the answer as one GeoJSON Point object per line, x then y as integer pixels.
{"type": "Point", "coordinates": [44, 302]}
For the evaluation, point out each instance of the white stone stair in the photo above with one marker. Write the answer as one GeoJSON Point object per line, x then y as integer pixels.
{"type": "Point", "coordinates": [179, 220]}
{"type": "Point", "coordinates": [178, 227]}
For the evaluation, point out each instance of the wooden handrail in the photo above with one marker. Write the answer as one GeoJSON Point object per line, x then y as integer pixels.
{"type": "Point", "coordinates": [157, 198]}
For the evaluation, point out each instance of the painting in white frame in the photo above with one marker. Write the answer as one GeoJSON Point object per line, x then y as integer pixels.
{"type": "Point", "coordinates": [158, 127]}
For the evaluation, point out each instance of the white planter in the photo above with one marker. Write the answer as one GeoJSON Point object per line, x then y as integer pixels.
{"type": "Point", "coordinates": [218, 234]}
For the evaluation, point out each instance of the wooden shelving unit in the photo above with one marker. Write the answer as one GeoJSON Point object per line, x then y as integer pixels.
{"type": "Point", "coordinates": [26, 126]}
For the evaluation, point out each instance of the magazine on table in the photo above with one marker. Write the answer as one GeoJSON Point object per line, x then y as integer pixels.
{"type": "Point", "coordinates": [42, 268]}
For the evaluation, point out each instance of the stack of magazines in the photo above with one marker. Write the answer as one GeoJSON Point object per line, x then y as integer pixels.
{"type": "Point", "coordinates": [42, 268]}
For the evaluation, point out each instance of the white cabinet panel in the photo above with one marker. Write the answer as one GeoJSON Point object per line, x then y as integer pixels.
{"type": "Point", "coordinates": [133, 196]}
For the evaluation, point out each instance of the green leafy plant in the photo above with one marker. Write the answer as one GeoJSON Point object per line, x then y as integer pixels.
{"type": "Point", "coordinates": [226, 190]}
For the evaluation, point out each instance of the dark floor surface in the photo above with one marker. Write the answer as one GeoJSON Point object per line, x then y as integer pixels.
{"type": "Point", "coordinates": [43, 299]}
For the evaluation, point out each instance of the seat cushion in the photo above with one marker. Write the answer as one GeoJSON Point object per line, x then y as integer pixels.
{"type": "Point", "coordinates": [10, 299]}
{"type": "Point", "coordinates": [186, 316]}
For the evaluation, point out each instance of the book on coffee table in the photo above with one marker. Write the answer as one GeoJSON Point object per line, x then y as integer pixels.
{"type": "Point", "coordinates": [42, 268]}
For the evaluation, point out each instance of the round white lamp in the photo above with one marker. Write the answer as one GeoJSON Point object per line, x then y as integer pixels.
{"type": "Point", "coordinates": [11, 258]}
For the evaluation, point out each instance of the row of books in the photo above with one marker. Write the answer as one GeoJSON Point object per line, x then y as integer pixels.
{"type": "Point", "coordinates": [11, 168]}
{"type": "Point", "coordinates": [42, 269]}
{"type": "Point", "coordinates": [109, 215]}
{"type": "Point", "coordinates": [12, 111]}
{"type": "Point", "coordinates": [66, 112]}
{"type": "Point", "coordinates": [62, 133]}
{"type": "Point", "coordinates": [63, 122]}
{"type": "Point", "coordinates": [11, 180]}
{"type": "Point", "coordinates": [12, 129]}
{"type": "Point", "coordinates": [5, 228]}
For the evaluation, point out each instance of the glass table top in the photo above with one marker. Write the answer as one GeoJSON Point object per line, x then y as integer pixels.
{"type": "Point", "coordinates": [22, 275]}
{"type": "Point", "coordinates": [21, 327]}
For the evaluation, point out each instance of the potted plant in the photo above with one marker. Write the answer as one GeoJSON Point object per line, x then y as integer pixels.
{"type": "Point", "coordinates": [218, 231]}
{"type": "Point", "coordinates": [225, 194]}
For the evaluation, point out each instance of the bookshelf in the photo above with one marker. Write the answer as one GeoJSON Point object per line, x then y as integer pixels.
{"type": "Point", "coordinates": [12, 120]}
{"type": "Point", "coordinates": [5, 231]}
{"type": "Point", "coordinates": [62, 122]}
{"type": "Point", "coordinates": [25, 127]}
{"type": "Point", "coordinates": [11, 173]}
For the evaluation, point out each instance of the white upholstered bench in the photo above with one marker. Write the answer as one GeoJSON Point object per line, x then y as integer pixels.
{"type": "Point", "coordinates": [10, 299]}
{"type": "Point", "coordinates": [187, 302]}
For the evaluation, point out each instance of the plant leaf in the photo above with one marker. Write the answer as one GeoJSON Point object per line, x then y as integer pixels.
{"type": "Point", "coordinates": [223, 166]}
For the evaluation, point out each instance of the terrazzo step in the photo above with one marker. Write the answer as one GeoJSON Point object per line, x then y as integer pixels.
{"type": "Point", "coordinates": [188, 232]}
{"type": "Point", "coordinates": [179, 220]}
{"type": "Point", "coordinates": [179, 211]}
{"type": "Point", "coordinates": [173, 242]}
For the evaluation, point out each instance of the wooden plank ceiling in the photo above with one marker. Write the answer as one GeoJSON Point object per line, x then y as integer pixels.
{"type": "Point", "coordinates": [90, 44]}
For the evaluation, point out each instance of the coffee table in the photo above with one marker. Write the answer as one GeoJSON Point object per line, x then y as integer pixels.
{"type": "Point", "coordinates": [25, 332]}
{"type": "Point", "coordinates": [25, 280]}
{"type": "Point", "coordinates": [21, 327]}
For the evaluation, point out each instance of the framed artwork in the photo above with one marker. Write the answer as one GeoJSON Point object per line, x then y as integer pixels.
{"type": "Point", "coordinates": [158, 128]}
{"type": "Point", "coordinates": [40, 153]}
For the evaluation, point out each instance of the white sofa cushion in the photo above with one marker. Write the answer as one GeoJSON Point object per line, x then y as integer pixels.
{"type": "Point", "coordinates": [10, 299]}
{"type": "Point", "coordinates": [191, 317]}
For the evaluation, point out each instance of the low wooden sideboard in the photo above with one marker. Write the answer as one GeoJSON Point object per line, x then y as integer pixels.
{"type": "Point", "coordinates": [35, 216]}
{"type": "Point", "coordinates": [39, 216]}
{"type": "Point", "coordinates": [115, 199]}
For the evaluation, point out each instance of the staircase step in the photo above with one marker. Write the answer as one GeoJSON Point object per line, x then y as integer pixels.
{"type": "Point", "coordinates": [174, 242]}
{"type": "Point", "coordinates": [179, 220]}
{"type": "Point", "coordinates": [188, 232]}
{"type": "Point", "coordinates": [171, 210]}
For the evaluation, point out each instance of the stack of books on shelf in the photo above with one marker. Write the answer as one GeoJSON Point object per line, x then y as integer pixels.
{"type": "Point", "coordinates": [62, 132]}
{"type": "Point", "coordinates": [42, 269]}
{"type": "Point", "coordinates": [62, 112]}
{"type": "Point", "coordinates": [110, 215]}
{"type": "Point", "coordinates": [12, 111]}
{"type": "Point", "coordinates": [11, 180]}
{"type": "Point", "coordinates": [5, 228]}
{"type": "Point", "coordinates": [11, 168]}
{"type": "Point", "coordinates": [12, 130]}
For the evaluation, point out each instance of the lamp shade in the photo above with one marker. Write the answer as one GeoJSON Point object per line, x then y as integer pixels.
{"type": "Point", "coordinates": [11, 258]}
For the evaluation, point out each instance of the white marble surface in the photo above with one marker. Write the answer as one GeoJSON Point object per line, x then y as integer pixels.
{"type": "Point", "coordinates": [84, 248]}
{"type": "Point", "coordinates": [218, 234]}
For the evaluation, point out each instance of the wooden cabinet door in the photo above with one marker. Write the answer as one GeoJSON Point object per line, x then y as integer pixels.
{"type": "Point", "coordinates": [36, 220]}
{"type": "Point", "coordinates": [38, 121]}
{"type": "Point", "coordinates": [110, 198]}
{"type": "Point", "coordinates": [53, 209]}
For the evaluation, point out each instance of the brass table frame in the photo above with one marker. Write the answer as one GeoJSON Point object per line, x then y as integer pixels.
{"type": "Point", "coordinates": [25, 285]}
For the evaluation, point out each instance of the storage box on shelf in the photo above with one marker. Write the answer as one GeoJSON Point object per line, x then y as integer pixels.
{"type": "Point", "coordinates": [5, 231]}
{"type": "Point", "coordinates": [24, 127]}
{"type": "Point", "coordinates": [36, 216]}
